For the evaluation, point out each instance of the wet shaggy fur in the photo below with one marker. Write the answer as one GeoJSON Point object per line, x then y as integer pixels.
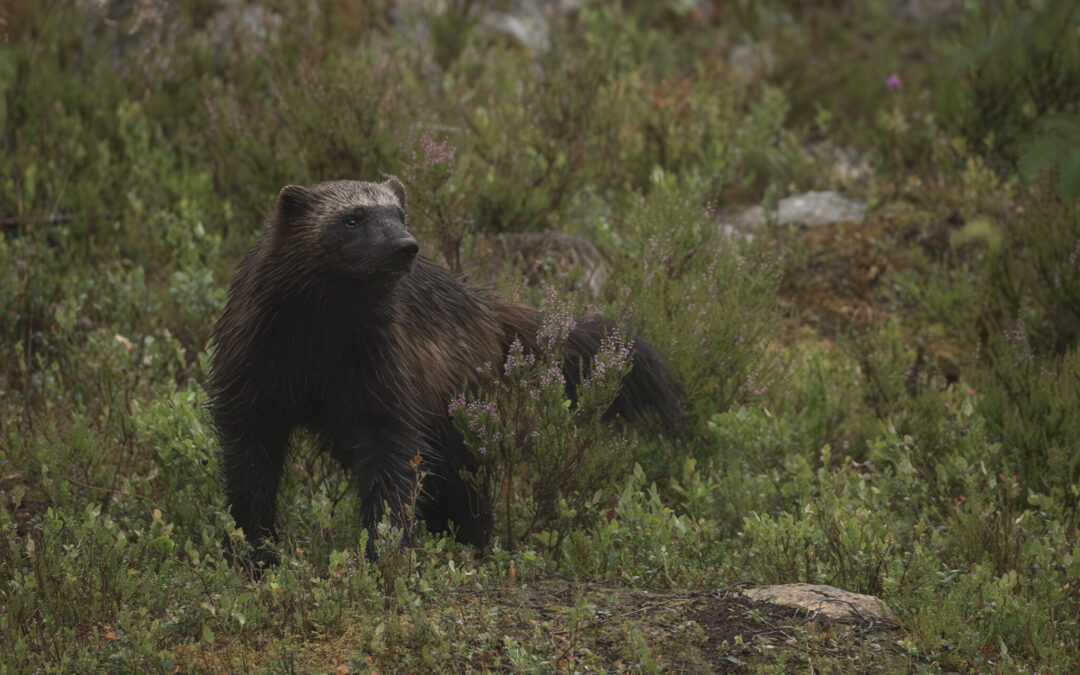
{"type": "Point", "coordinates": [334, 324]}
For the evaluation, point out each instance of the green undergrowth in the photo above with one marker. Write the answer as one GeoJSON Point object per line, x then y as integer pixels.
{"type": "Point", "coordinates": [888, 406]}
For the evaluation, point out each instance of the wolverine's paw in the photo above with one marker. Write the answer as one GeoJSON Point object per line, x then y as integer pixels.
{"type": "Point", "coordinates": [263, 558]}
{"type": "Point", "coordinates": [252, 562]}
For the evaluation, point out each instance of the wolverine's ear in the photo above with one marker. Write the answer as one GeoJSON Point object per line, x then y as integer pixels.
{"type": "Point", "coordinates": [397, 188]}
{"type": "Point", "coordinates": [293, 201]}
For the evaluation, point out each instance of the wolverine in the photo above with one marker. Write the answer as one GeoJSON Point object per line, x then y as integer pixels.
{"type": "Point", "coordinates": [335, 324]}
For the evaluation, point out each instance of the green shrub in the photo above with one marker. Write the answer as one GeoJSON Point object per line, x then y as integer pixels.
{"type": "Point", "coordinates": [707, 304]}
{"type": "Point", "coordinates": [542, 457]}
{"type": "Point", "coordinates": [1020, 64]}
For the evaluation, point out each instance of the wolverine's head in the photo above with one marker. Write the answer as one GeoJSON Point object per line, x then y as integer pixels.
{"type": "Point", "coordinates": [357, 229]}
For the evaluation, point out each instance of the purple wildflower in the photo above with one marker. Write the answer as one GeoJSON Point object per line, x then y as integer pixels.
{"type": "Point", "coordinates": [477, 413]}
{"type": "Point", "coordinates": [893, 82]}
{"type": "Point", "coordinates": [556, 320]}
{"type": "Point", "coordinates": [434, 153]}
{"type": "Point", "coordinates": [1018, 337]}
{"type": "Point", "coordinates": [613, 356]}
{"type": "Point", "coordinates": [456, 403]}
{"type": "Point", "coordinates": [552, 375]}
{"type": "Point", "coordinates": [517, 358]}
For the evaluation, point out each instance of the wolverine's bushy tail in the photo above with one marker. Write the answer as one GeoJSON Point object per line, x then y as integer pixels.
{"type": "Point", "coordinates": [649, 394]}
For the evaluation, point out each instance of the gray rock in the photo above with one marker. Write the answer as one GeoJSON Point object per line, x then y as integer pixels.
{"type": "Point", "coordinates": [527, 25]}
{"type": "Point", "coordinates": [752, 61]}
{"type": "Point", "coordinates": [826, 603]}
{"type": "Point", "coordinates": [529, 22]}
{"type": "Point", "coordinates": [242, 24]}
{"type": "Point", "coordinates": [143, 35]}
{"type": "Point", "coordinates": [811, 208]}
{"type": "Point", "coordinates": [732, 233]}
{"type": "Point", "coordinates": [848, 165]}
{"type": "Point", "coordinates": [537, 254]}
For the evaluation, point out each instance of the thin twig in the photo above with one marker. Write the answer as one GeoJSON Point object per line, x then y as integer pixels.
{"type": "Point", "coordinates": [8, 222]}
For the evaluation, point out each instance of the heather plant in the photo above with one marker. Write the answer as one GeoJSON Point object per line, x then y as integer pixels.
{"type": "Point", "coordinates": [535, 136]}
{"type": "Point", "coordinates": [889, 366]}
{"type": "Point", "coordinates": [1052, 153]}
{"type": "Point", "coordinates": [437, 196]}
{"type": "Point", "coordinates": [1022, 48]}
{"type": "Point", "coordinates": [256, 125]}
{"type": "Point", "coordinates": [541, 456]}
{"type": "Point", "coordinates": [1029, 408]}
{"type": "Point", "coordinates": [707, 303]}
{"type": "Point", "coordinates": [1040, 280]}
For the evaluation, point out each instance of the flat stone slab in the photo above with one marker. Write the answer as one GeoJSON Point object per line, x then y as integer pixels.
{"type": "Point", "coordinates": [825, 603]}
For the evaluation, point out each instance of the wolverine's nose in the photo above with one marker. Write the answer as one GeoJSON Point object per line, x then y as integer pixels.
{"type": "Point", "coordinates": [407, 247]}
{"type": "Point", "coordinates": [405, 251]}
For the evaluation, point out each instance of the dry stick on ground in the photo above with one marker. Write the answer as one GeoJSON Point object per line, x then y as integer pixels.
{"type": "Point", "coordinates": [9, 222]}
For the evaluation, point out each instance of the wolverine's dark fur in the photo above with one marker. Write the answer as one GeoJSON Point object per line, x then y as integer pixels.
{"type": "Point", "coordinates": [333, 326]}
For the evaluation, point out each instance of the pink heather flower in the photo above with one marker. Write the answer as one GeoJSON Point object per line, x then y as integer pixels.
{"type": "Point", "coordinates": [456, 403]}
{"type": "Point", "coordinates": [1018, 337]}
{"type": "Point", "coordinates": [552, 375]}
{"type": "Point", "coordinates": [893, 82]}
{"type": "Point", "coordinates": [434, 154]}
{"type": "Point", "coordinates": [516, 358]}
{"type": "Point", "coordinates": [613, 356]}
{"type": "Point", "coordinates": [477, 414]}
{"type": "Point", "coordinates": [653, 244]}
{"type": "Point", "coordinates": [556, 320]}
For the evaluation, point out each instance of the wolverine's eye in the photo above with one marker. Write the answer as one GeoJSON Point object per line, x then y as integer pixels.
{"type": "Point", "coordinates": [352, 222]}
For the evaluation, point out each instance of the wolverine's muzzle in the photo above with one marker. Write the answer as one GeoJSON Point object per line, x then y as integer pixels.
{"type": "Point", "coordinates": [404, 252]}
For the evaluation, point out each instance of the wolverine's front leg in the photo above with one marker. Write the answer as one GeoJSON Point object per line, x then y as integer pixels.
{"type": "Point", "coordinates": [252, 461]}
{"type": "Point", "coordinates": [383, 456]}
